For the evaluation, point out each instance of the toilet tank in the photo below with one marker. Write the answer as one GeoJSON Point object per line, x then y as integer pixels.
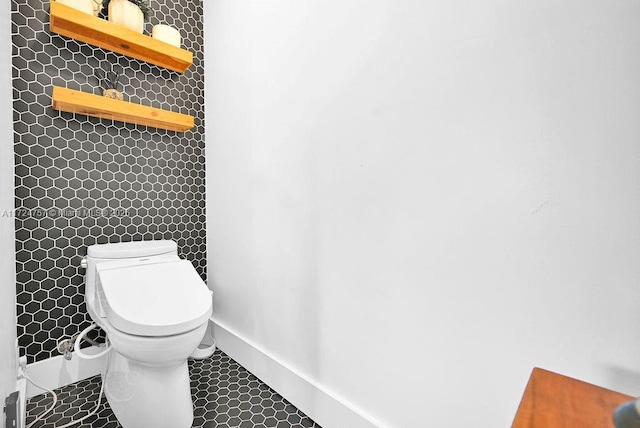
{"type": "Point", "coordinates": [142, 250]}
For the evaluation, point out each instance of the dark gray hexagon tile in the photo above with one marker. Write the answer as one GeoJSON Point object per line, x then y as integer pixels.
{"type": "Point", "coordinates": [73, 162]}
{"type": "Point", "coordinates": [225, 395]}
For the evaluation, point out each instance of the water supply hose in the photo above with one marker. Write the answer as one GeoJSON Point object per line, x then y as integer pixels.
{"type": "Point", "coordinates": [80, 353]}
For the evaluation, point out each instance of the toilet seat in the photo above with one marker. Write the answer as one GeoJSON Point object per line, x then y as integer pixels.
{"type": "Point", "coordinates": [153, 299]}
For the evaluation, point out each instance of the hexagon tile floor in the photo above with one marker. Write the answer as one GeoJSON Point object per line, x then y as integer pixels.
{"type": "Point", "coordinates": [225, 395]}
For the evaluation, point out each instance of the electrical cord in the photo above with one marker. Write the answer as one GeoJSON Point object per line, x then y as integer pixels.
{"type": "Point", "coordinates": [55, 399]}
{"type": "Point", "coordinates": [53, 394]}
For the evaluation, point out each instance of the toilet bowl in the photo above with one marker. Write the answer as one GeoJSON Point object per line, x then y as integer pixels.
{"type": "Point", "coordinates": [154, 309]}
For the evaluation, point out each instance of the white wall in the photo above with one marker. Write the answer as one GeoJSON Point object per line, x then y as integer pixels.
{"type": "Point", "coordinates": [415, 202]}
{"type": "Point", "coordinates": [7, 237]}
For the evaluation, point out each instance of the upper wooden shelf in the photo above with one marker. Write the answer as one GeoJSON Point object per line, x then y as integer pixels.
{"type": "Point", "coordinates": [72, 101]}
{"type": "Point", "coordinates": [98, 32]}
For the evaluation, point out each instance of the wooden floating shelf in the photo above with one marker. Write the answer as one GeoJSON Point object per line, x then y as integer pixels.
{"type": "Point", "coordinates": [70, 22]}
{"type": "Point", "coordinates": [78, 102]}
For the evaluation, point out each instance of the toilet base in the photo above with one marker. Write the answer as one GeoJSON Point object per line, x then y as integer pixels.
{"type": "Point", "coordinates": [144, 396]}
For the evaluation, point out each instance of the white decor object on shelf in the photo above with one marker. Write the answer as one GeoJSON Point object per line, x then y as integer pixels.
{"type": "Point", "coordinates": [85, 6]}
{"type": "Point", "coordinates": [166, 34]}
{"type": "Point", "coordinates": [126, 14]}
{"type": "Point", "coordinates": [97, 6]}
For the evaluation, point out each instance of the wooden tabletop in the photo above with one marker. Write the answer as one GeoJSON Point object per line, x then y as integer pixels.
{"type": "Point", "coordinates": [556, 401]}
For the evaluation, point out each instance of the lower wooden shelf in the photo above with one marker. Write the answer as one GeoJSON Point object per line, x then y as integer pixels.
{"type": "Point", "coordinates": [78, 102]}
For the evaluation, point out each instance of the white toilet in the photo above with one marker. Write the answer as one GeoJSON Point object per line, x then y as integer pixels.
{"type": "Point", "coordinates": [154, 308]}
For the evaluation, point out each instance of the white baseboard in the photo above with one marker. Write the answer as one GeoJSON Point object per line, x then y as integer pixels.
{"type": "Point", "coordinates": [324, 406]}
{"type": "Point", "coordinates": [22, 391]}
{"type": "Point", "coordinates": [55, 372]}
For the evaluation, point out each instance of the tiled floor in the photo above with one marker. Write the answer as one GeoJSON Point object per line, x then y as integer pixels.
{"type": "Point", "coordinates": [224, 395]}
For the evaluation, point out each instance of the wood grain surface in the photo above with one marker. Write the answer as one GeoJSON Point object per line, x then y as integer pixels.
{"type": "Point", "coordinates": [552, 400]}
{"type": "Point", "coordinates": [72, 101]}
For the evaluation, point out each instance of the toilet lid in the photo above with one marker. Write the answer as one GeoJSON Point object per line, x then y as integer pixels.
{"type": "Point", "coordinates": [154, 299]}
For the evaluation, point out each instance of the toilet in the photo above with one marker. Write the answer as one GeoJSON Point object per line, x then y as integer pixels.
{"type": "Point", "coordinates": [154, 309]}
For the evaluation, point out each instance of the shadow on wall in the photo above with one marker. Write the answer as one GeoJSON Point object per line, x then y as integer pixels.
{"type": "Point", "coordinates": [625, 379]}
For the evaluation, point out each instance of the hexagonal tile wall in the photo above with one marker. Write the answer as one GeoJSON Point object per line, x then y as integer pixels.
{"type": "Point", "coordinates": [225, 395]}
{"type": "Point", "coordinates": [81, 180]}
